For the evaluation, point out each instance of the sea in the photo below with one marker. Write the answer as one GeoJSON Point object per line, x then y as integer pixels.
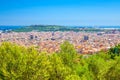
{"type": "Point", "coordinates": [10, 27]}
{"type": "Point", "coordinates": [97, 27]}
{"type": "Point", "coordinates": [110, 27]}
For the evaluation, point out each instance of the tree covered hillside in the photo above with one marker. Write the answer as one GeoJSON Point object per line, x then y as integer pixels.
{"type": "Point", "coordinates": [43, 28]}
{"type": "Point", "coordinates": [21, 63]}
{"type": "Point", "coordinates": [57, 28]}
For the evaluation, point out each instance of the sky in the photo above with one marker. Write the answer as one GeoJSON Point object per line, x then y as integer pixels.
{"type": "Point", "coordinates": [60, 12]}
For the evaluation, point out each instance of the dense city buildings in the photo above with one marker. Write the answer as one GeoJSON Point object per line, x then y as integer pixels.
{"type": "Point", "coordinates": [50, 41]}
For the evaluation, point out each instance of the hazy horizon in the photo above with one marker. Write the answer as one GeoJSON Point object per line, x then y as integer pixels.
{"type": "Point", "coordinates": [60, 25]}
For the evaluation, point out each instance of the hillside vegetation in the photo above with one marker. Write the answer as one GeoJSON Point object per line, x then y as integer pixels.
{"type": "Point", "coordinates": [46, 28]}
{"type": "Point", "coordinates": [42, 28]}
{"type": "Point", "coordinates": [21, 63]}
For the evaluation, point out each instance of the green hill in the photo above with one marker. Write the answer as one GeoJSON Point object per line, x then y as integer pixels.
{"type": "Point", "coordinates": [55, 28]}
{"type": "Point", "coordinates": [43, 28]}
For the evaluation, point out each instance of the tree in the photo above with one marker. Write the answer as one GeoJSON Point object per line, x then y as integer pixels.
{"type": "Point", "coordinates": [68, 54]}
{"type": "Point", "coordinates": [115, 51]}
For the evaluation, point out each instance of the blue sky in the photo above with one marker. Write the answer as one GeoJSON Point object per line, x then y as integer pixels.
{"type": "Point", "coordinates": [60, 12]}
